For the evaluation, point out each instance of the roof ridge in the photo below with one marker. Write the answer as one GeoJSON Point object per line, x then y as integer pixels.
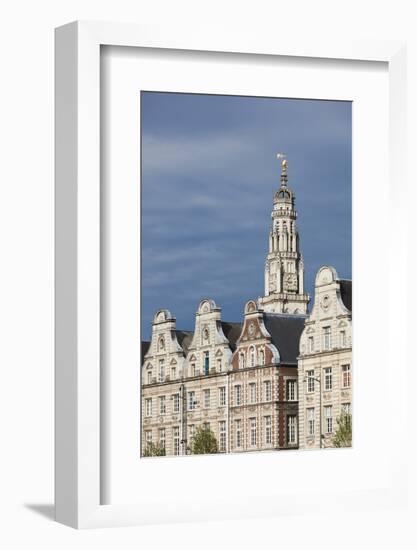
{"type": "Point", "coordinates": [291, 315]}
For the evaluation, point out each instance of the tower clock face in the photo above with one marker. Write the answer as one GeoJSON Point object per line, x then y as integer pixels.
{"type": "Point", "coordinates": [290, 281]}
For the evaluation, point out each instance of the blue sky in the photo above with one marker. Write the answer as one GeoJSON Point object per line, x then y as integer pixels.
{"type": "Point", "coordinates": [209, 171]}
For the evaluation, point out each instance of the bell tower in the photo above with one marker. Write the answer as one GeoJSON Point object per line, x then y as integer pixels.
{"type": "Point", "coordinates": [284, 266]}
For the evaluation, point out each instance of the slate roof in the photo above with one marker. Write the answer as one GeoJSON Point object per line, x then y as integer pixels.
{"type": "Point", "coordinates": [184, 338]}
{"type": "Point", "coordinates": [346, 293]}
{"type": "Point", "coordinates": [285, 331]}
{"type": "Point", "coordinates": [144, 350]}
{"type": "Point", "coordinates": [232, 332]}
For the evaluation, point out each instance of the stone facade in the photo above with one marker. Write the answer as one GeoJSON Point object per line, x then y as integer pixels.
{"type": "Point", "coordinates": [325, 361]}
{"type": "Point", "coordinates": [208, 362]}
{"type": "Point", "coordinates": [240, 381]}
{"type": "Point", "coordinates": [163, 369]}
{"type": "Point", "coordinates": [263, 387]}
{"type": "Point", "coordinates": [184, 380]}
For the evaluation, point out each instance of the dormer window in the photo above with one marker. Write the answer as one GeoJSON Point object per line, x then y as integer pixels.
{"type": "Point", "coordinates": [326, 338]}
{"type": "Point", "coordinates": [161, 370]}
{"type": "Point", "coordinates": [252, 356]}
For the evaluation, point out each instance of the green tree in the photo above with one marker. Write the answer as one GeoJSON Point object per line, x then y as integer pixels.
{"type": "Point", "coordinates": [152, 449]}
{"type": "Point", "coordinates": [343, 435]}
{"type": "Point", "coordinates": [203, 441]}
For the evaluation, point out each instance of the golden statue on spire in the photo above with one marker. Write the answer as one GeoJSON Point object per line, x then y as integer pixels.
{"type": "Point", "coordinates": [284, 167]}
{"type": "Point", "coordinates": [284, 162]}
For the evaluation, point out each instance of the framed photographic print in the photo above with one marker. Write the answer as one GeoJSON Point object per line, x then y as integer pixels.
{"type": "Point", "coordinates": [215, 200]}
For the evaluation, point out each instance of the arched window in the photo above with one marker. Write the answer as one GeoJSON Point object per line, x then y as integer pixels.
{"type": "Point", "coordinates": [241, 360]}
{"type": "Point", "coordinates": [161, 344]}
{"type": "Point", "coordinates": [252, 356]}
{"type": "Point", "coordinates": [262, 357]}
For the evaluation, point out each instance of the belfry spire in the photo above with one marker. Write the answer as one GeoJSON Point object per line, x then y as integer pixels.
{"type": "Point", "coordinates": [284, 267]}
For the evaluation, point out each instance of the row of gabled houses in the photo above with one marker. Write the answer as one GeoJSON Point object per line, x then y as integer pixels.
{"type": "Point", "coordinates": [276, 381]}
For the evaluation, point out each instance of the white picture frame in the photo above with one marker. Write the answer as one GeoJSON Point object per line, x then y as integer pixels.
{"type": "Point", "coordinates": [78, 263]}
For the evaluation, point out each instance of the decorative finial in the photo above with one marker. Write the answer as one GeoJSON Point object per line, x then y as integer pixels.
{"type": "Point", "coordinates": [284, 167]}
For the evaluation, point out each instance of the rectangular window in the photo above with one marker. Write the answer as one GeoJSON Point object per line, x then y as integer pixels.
{"type": "Point", "coordinates": [268, 390]}
{"type": "Point", "coordinates": [326, 338]}
{"type": "Point", "coordinates": [173, 373]}
{"type": "Point", "coordinates": [148, 437]}
{"type": "Point", "coordinates": [206, 363]}
{"type": "Point", "coordinates": [241, 360]}
{"type": "Point", "coordinates": [268, 430]}
{"type": "Point", "coordinates": [161, 370]}
{"type": "Point", "coordinates": [310, 381]}
{"type": "Point", "coordinates": [222, 396]}
{"type": "Point", "coordinates": [148, 407]}
{"type": "Point", "coordinates": [206, 399]}
{"type": "Point", "coordinates": [238, 425]}
{"type": "Point", "coordinates": [176, 440]}
{"type": "Point", "coordinates": [329, 419]}
{"type": "Point", "coordinates": [219, 365]}
{"type": "Point", "coordinates": [328, 378]}
{"type": "Point", "coordinates": [193, 370]}
{"type": "Point", "coordinates": [342, 339]}
{"type": "Point", "coordinates": [252, 392]}
{"type": "Point", "coordinates": [162, 438]}
{"type": "Point", "coordinates": [346, 408]}
{"type": "Point", "coordinates": [238, 394]}
{"type": "Point", "coordinates": [222, 436]}
{"type": "Point", "coordinates": [162, 405]}
{"type": "Point", "coordinates": [176, 403]}
{"type": "Point", "coordinates": [311, 344]}
{"type": "Point", "coordinates": [291, 429]}
{"type": "Point", "coordinates": [346, 376]}
{"type": "Point", "coordinates": [252, 422]}
{"type": "Point", "coordinates": [206, 426]}
{"type": "Point", "coordinates": [310, 421]}
{"type": "Point", "coordinates": [191, 431]}
{"type": "Point", "coordinates": [291, 390]}
{"type": "Point", "coordinates": [191, 401]}
{"type": "Point", "coordinates": [149, 377]}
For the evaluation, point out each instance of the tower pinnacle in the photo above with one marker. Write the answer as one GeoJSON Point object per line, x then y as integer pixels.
{"type": "Point", "coordinates": [284, 168]}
